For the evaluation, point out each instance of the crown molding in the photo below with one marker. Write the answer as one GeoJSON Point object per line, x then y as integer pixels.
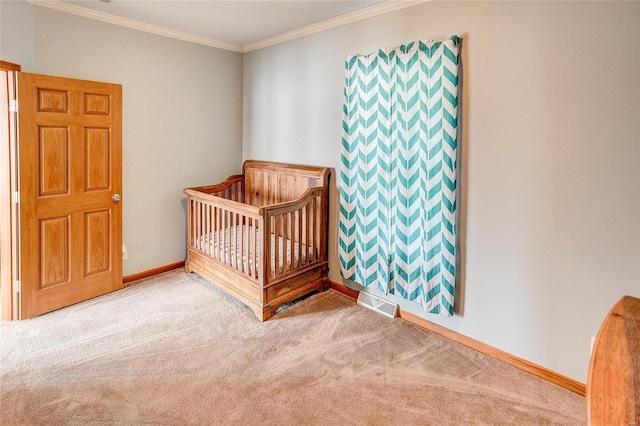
{"type": "Point", "coordinates": [358, 15]}
{"type": "Point", "coordinates": [133, 24]}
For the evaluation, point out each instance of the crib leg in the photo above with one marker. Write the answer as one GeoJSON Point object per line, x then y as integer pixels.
{"type": "Point", "coordinates": [264, 313]}
{"type": "Point", "coordinates": [326, 285]}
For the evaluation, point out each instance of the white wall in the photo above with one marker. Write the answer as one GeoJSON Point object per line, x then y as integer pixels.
{"type": "Point", "coordinates": [182, 114]}
{"type": "Point", "coordinates": [550, 157]}
{"type": "Point", "coordinates": [17, 34]}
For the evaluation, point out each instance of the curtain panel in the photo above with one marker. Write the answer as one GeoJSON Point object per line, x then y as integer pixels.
{"type": "Point", "coordinates": [397, 219]}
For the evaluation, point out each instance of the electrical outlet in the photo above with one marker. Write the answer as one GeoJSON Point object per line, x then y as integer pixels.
{"type": "Point", "coordinates": [125, 252]}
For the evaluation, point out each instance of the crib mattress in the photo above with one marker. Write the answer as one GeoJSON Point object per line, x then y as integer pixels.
{"type": "Point", "coordinates": [231, 239]}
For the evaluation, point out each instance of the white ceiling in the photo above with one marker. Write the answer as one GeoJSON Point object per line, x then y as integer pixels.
{"type": "Point", "coordinates": [232, 24]}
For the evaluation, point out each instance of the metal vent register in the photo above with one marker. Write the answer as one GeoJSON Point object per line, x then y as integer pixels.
{"type": "Point", "coordinates": [378, 305]}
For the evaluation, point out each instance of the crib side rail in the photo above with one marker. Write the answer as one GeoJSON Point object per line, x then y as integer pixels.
{"type": "Point", "coordinates": [295, 233]}
{"type": "Point", "coordinates": [232, 188]}
{"type": "Point", "coordinates": [226, 231]}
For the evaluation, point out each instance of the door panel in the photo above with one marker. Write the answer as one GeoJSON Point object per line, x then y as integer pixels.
{"type": "Point", "coordinates": [97, 159]}
{"type": "Point", "coordinates": [98, 249]}
{"type": "Point", "coordinates": [70, 144]}
{"type": "Point", "coordinates": [53, 159]}
{"type": "Point", "coordinates": [54, 251]}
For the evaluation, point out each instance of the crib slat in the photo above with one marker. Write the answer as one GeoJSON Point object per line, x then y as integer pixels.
{"type": "Point", "coordinates": [283, 254]}
{"type": "Point", "coordinates": [203, 226]}
{"type": "Point", "coordinates": [245, 254]}
{"type": "Point", "coordinates": [220, 235]}
{"type": "Point", "coordinates": [214, 236]}
{"type": "Point", "coordinates": [254, 232]}
{"type": "Point", "coordinates": [210, 232]}
{"type": "Point", "coordinates": [256, 270]}
{"type": "Point", "coordinates": [189, 222]}
{"type": "Point", "coordinates": [217, 232]}
{"type": "Point", "coordinates": [198, 226]}
{"type": "Point", "coordinates": [312, 217]}
{"type": "Point", "coordinates": [233, 245]}
{"type": "Point", "coordinates": [252, 247]}
{"type": "Point", "coordinates": [236, 245]}
{"type": "Point", "coordinates": [223, 236]}
{"type": "Point", "coordinates": [203, 222]}
{"type": "Point", "coordinates": [214, 230]}
{"type": "Point", "coordinates": [319, 240]}
{"type": "Point", "coordinates": [210, 222]}
{"type": "Point", "coordinates": [309, 233]}
{"type": "Point", "coordinates": [195, 224]}
{"type": "Point", "coordinates": [285, 246]}
{"type": "Point", "coordinates": [250, 266]}
{"type": "Point", "coordinates": [239, 240]}
{"type": "Point", "coordinates": [292, 239]}
{"type": "Point", "coordinates": [242, 258]}
{"type": "Point", "coordinates": [229, 239]}
{"type": "Point", "coordinates": [299, 239]}
{"type": "Point", "coordinates": [276, 246]}
{"type": "Point", "coordinates": [283, 251]}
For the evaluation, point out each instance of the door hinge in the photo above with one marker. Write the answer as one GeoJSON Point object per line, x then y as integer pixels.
{"type": "Point", "coordinates": [16, 286]}
{"type": "Point", "coordinates": [15, 197]}
{"type": "Point", "coordinates": [13, 105]}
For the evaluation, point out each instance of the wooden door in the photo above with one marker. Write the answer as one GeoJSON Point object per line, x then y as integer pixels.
{"type": "Point", "coordinates": [70, 155]}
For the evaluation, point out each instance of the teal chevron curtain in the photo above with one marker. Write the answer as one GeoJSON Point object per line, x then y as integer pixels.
{"type": "Point", "coordinates": [398, 172]}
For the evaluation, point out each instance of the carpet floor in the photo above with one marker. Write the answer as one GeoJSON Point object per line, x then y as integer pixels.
{"type": "Point", "coordinates": [173, 350]}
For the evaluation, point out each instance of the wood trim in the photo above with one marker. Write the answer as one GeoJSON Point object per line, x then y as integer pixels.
{"type": "Point", "coordinates": [151, 272]}
{"type": "Point", "coordinates": [133, 24]}
{"type": "Point", "coordinates": [348, 18]}
{"type": "Point", "coordinates": [6, 249]}
{"type": "Point", "coordinates": [355, 16]}
{"type": "Point", "coordinates": [8, 184]}
{"type": "Point", "coordinates": [9, 66]}
{"type": "Point", "coordinates": [515, 361]}
{"type": "Point", "coordinates": [344, 290]}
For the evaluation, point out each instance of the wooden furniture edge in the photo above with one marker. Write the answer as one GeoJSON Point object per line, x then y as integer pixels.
{"type": "Point", "coordinates": [151, 272]}
{"type": "Point", "coordinates": [513, 360]}
{"type": "Point", "coordinates": [614, 368]}
{"type": "Point", "coordinates": [274, 166]}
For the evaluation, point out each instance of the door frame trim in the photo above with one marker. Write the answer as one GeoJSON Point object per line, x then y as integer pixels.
{"type": "Point", "coordinates": [9, 66]}
{"type": "Point", "coordinates": [8, 185]}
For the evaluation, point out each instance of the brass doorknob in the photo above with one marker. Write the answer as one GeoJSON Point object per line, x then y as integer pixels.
{"type": "Point", "coordinates": [116, 198]}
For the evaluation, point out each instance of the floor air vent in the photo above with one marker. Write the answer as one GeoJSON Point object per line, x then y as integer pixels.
{"type": "Point", "coordinates": [377, 304]}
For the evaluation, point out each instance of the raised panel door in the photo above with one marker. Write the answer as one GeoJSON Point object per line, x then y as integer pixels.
{"type": "Point", "coordinates": [70, 145]}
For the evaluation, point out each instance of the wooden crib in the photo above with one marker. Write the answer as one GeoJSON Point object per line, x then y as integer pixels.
{"type": "Point", "coordinates": [261, 236]}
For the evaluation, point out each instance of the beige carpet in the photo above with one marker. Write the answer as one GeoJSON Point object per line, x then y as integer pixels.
{"type": "Point", "coordinates": [172, 350]}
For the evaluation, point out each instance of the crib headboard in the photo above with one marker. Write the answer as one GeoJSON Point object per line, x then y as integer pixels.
{"type": "Point", "coordinates": [269, 183]}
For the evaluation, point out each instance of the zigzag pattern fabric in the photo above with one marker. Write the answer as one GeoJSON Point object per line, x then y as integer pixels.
{"type": "Point", "coordinates": [397, 219]}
